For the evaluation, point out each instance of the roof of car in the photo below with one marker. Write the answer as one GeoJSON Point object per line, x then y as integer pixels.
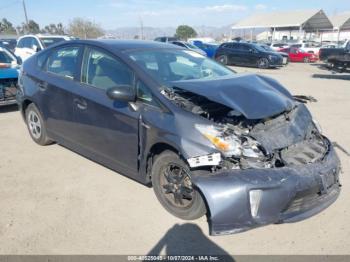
{"type": "Point", "coordinates": [127, 44]}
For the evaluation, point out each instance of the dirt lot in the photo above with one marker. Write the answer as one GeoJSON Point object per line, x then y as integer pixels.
{"type": "Point", "coordinates": [53, 201]}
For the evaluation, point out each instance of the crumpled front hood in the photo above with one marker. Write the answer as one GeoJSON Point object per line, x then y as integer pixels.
{"type": "Point", "coordinates": [254, 96]}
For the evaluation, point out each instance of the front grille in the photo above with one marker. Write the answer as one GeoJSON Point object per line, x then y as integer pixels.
{"type": "Point", "coordinates": [305, 152]}
{"type": "Point", "coordinates": [8, 89]}
{"type": "Point", "coordinates": [304, 203]}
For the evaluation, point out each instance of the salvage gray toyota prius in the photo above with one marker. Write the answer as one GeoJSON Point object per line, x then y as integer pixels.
{"type": "Point", "coordinates": [237, 147]}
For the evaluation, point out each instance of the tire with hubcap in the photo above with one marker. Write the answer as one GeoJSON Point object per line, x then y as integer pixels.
{"type": "Point", "coordinates": [223, 59]}
{"type": "Point", "coordinates": [263, 63]}
{"type": "Point", "coordinates": [306, 60]}
{"type": "Point", "coordinates": [36, 125]}
{"type": "Point", "coordinates": [171, 180]}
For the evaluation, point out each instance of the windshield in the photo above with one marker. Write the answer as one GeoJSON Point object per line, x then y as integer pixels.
{"type": "Point", "coordinates": [266, 48]}
{"type": "Point", "coordinates": [173, 65]}
{"type": "Point", "coordinates": [47, 41]}
{"type": "Point", "coordinates": [192, 46]}
{"type": "Point", "coordinates": [5, 57]}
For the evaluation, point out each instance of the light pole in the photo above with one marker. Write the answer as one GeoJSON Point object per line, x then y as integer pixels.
{"type": "Point", "coordinates": [25, 15]}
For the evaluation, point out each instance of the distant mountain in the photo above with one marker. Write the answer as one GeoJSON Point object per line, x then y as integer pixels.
{"type": "Point", "coordinates": [149, 33]}
{"type": "Point", "coordinates": [152, 32]}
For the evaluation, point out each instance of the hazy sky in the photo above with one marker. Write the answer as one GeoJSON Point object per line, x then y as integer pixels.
{"type": "Point", "coordinates": [120, 13]}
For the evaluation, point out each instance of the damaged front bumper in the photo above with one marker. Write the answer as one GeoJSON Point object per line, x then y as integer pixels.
{"type": "Point", "coordinates": [286, 194]}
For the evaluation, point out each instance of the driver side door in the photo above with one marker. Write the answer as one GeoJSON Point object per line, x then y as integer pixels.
{"type": "Point", "coordinates": [105, 130]}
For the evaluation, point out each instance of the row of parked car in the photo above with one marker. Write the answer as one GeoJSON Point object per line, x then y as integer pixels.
{"type": "Point", "coordinates": [250, 54]}
{"type": "Point", "coordinates": [12, 53]}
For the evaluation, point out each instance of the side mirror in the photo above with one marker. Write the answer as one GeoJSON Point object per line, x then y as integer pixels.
{"type": "Point", "coordinates": [122, 93]}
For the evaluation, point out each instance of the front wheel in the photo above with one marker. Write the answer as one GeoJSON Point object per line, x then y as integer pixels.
{"type": "Point", "coordinates": [171, 180]}
{"type": "Point", "coordinates": [263, 63]}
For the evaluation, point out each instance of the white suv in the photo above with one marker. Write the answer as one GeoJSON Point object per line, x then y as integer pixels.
{"type": "Point", "coordinates": [28, 45]}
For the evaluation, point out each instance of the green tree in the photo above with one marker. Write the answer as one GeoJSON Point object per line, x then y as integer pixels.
{"type": "Point", "coordinates": [33, 27]}
{"type": "Point", "coordinates": [184, 32]}
{"type": "Point", "coordinates": [6, 27]}
{"type": "Point", "coordinates": [84, 28]}
{"type": "Point", "coordinates": [54, 29]}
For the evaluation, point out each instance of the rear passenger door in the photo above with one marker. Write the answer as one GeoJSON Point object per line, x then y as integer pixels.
{"type": "Point", "coordinates": [56, 85]}
{"type": "Point", "coordinates": [107, 130]}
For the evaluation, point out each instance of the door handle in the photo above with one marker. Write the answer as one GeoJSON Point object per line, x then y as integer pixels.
{"type": "Point", "coordinates": [42, 86]}
{"type": "Point", "coordinates": [80, 103]}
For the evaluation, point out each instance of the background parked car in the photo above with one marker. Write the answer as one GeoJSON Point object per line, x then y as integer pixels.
{"type": "Point", "coordinates": [284, 55]}
{"type": "Point", "coordinates": [8, 77]}
{"type": "Point", "coordinates": [30, 44]}
{"type": "Point", "coordinates": [237, 53]}
{"type": "Point", "coordinates": [278, 46]}
{"type": "Point", "coordinates": [299, 55]}
{"type": "Point", "coordinates": [336, 57]}
{"type": "Point", "coordinates": [326, 52]}
{"type": "Point", "coordinates": [189, 46]}
{"type": "Point", "coordinates": [208, 48]}
{"type": "Point", "coordinates": [308, 47]}
{"type": "Point", "coordinates": [9, 43]}
{"type": "Point", "coordinates": [166, 39]}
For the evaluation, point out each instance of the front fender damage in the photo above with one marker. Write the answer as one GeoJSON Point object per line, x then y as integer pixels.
{"type": "Point", "coordinates": [227, 197]}
{"type": "Point", "coordinates": [287, 194]}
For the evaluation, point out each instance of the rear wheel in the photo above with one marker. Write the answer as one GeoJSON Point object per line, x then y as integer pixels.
{"type": "Point", "coordinates": [36, 126]}
{"type": "Point", "coordinates": [306, 60]}
{"type": "Point", "coordinates": [263, 63]}
{"type": "Point", "coordinates": [222, 59]}
{"type": "Point", "coordinates": [173, 187]}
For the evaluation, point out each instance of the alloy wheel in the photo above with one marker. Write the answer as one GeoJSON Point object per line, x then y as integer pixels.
{"type": "Point", "coordinates": [34, 124]}
{"type": "Point", "coordinates": [177, 187]}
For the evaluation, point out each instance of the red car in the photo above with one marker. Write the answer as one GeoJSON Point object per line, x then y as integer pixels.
{"type": "Point", "coordinates": [298, 55]}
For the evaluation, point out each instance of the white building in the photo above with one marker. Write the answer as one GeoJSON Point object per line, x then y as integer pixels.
{"type": "Point", "coordinates": [294, 25]}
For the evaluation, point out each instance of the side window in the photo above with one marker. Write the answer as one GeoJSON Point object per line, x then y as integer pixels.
{"type": "Point", "coordinates": [36, 43]}
{"type": "Point", "coordinates": [244, 48]}
{"type": "Point", "coordinates": [234, 46]}
{"type": "Point", "coordinates": [63, 61]}
{"type": "Point", "coordinates": [144, 94]}
{"type": "Point", "coordinates": [104, 71]}
{"type": "Point", "coordinates": [20, 43]}
{"type": "Point", "coordinates": [41, 59]}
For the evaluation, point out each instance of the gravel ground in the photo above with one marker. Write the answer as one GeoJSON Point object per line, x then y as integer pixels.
{"type": "Point", "coordinates": [54, 201]}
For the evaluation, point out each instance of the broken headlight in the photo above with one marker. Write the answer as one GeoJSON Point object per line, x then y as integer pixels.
{"type": "Point", "coordinates": [228, 144]}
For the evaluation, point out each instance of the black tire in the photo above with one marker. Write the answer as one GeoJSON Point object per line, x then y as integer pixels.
{"type": "Point", "coordinates": [193, 207]}
{"type": "Point", "coordinates": [263, 63]}
{"type": "Point", "coordinates": [36, 126]}
{"type": "Point", "coordinates": [306, 60]}
{"type": "Point", "coordinates": [223, 59]}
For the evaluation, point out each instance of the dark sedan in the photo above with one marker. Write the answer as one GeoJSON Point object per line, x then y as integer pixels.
{"type": "Point", "coordinates": [269, 49]}
{"type": "Point", "coordinates": [239, 148]}
{"type": "Point", "coordinates": [247, 54]}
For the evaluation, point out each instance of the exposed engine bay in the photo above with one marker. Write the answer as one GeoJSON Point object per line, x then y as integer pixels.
{"type": "Point", "coordinates": [8, 89]}
{"type": "Point", "coordinates": [287, 139]}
